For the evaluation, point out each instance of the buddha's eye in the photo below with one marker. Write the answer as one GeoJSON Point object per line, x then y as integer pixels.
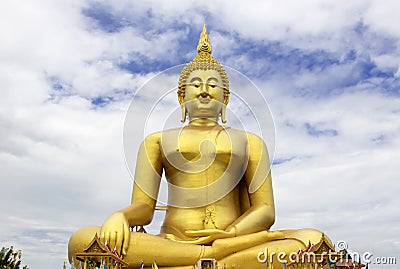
{"type": "Point", "coordinates": [212, 85]}
{"type": "Point", "coordinates": [196, 85]}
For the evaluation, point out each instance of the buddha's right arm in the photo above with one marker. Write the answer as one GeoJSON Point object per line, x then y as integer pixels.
{"type": "Point", "coordinates": [115, 230]}
{"type": "Point", "coordinates": [147, 182]}
{"type": "Point", "coordinates": [138, 214]}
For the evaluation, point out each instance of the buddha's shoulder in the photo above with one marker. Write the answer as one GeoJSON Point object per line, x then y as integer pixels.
{"type": "Point", "coordinates": [165, 134]}
{"type": "Point", "coordinates": [153, 137]}
{"type": "Point", "coordinates": [248, 136]}
{"type": "Point", "coordinates": [254, 138]}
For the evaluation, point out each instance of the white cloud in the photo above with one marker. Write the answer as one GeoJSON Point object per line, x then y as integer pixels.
{"type": "Point", "coordinates": [383, 17]}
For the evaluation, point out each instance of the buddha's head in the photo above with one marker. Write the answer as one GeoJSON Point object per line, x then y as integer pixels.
{"type": "Point", "coordinates": [203, 79]}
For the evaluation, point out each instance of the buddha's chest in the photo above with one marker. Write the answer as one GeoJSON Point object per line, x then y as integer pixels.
{"type": "Point", "coordinates": [187, 148]}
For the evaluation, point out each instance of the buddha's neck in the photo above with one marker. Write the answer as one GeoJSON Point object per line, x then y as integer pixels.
{"type": "Point", "coordinates": [205, 122]}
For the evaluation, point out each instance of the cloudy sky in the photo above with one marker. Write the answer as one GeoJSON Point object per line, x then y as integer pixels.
{"type": "Point", "coordinates": [329, 71]}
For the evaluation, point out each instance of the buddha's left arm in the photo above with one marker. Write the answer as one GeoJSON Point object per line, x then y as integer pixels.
{"type": "Point", "coordinates": [261, 214]}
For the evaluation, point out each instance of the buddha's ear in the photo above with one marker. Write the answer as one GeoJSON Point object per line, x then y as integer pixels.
{"type": "Point", "coordinates": [183, 108]}
{"type": "Point", "coordinates": [223, 113]}
{"type": "Point", "coordinates": [181, 99]}
{"type": "Point", "coordinates": [181, 94]}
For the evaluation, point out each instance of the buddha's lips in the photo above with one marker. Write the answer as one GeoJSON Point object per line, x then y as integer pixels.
{"type": "Point", "coordinates": [204, 100]}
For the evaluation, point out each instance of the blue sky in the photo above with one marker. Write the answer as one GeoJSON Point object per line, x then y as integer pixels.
{"type": "Point", "coordinates": [329, 71]}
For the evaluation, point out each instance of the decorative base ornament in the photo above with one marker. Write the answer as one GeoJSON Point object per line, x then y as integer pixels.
{"type": "Point", "coordinates": [206, 263]}
{"type": "Point", "coordinates": [99, 255]}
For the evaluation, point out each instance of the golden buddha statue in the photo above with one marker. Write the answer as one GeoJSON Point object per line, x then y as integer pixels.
{"type": "Point", "coordinates": [220, 198]}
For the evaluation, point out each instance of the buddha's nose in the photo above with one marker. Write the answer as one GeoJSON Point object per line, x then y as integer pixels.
{"type": "Point", "coordinates": [204, 91]}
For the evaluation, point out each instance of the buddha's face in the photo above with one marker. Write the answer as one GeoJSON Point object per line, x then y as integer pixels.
{"type": "Point", "coordinates": [204, 94]}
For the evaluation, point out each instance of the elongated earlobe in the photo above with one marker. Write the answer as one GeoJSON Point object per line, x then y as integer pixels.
{"type": "Point", "coordinates": [223, 113]}
{"type": "Point", "coordinates": [183, 108]}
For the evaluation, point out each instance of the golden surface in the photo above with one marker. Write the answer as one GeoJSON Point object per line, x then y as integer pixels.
{"type": "Point", "coordinates": [220, 199]}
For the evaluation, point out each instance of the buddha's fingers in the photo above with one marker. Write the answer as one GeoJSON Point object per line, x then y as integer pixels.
{"type": "Point", "coordinates": [118, 242]}
{"type": "Point", "coordinates": [206, 232]}
{"type": "Point", "coordinates": [276, 235]}
{"type": "Point", "coordinates": [105, 238]}
{"type": "Point", "coordinates": [198, 241]}
{"type": "Point", "coordinates": [171, 237]}
{"type": "Point", "coordinates": [126, 239]}
{"type": "Point", "coordinates": [113, 240]}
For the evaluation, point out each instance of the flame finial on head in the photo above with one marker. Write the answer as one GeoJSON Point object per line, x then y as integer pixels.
{"type": "Point", "coordinates": [204, 43]}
